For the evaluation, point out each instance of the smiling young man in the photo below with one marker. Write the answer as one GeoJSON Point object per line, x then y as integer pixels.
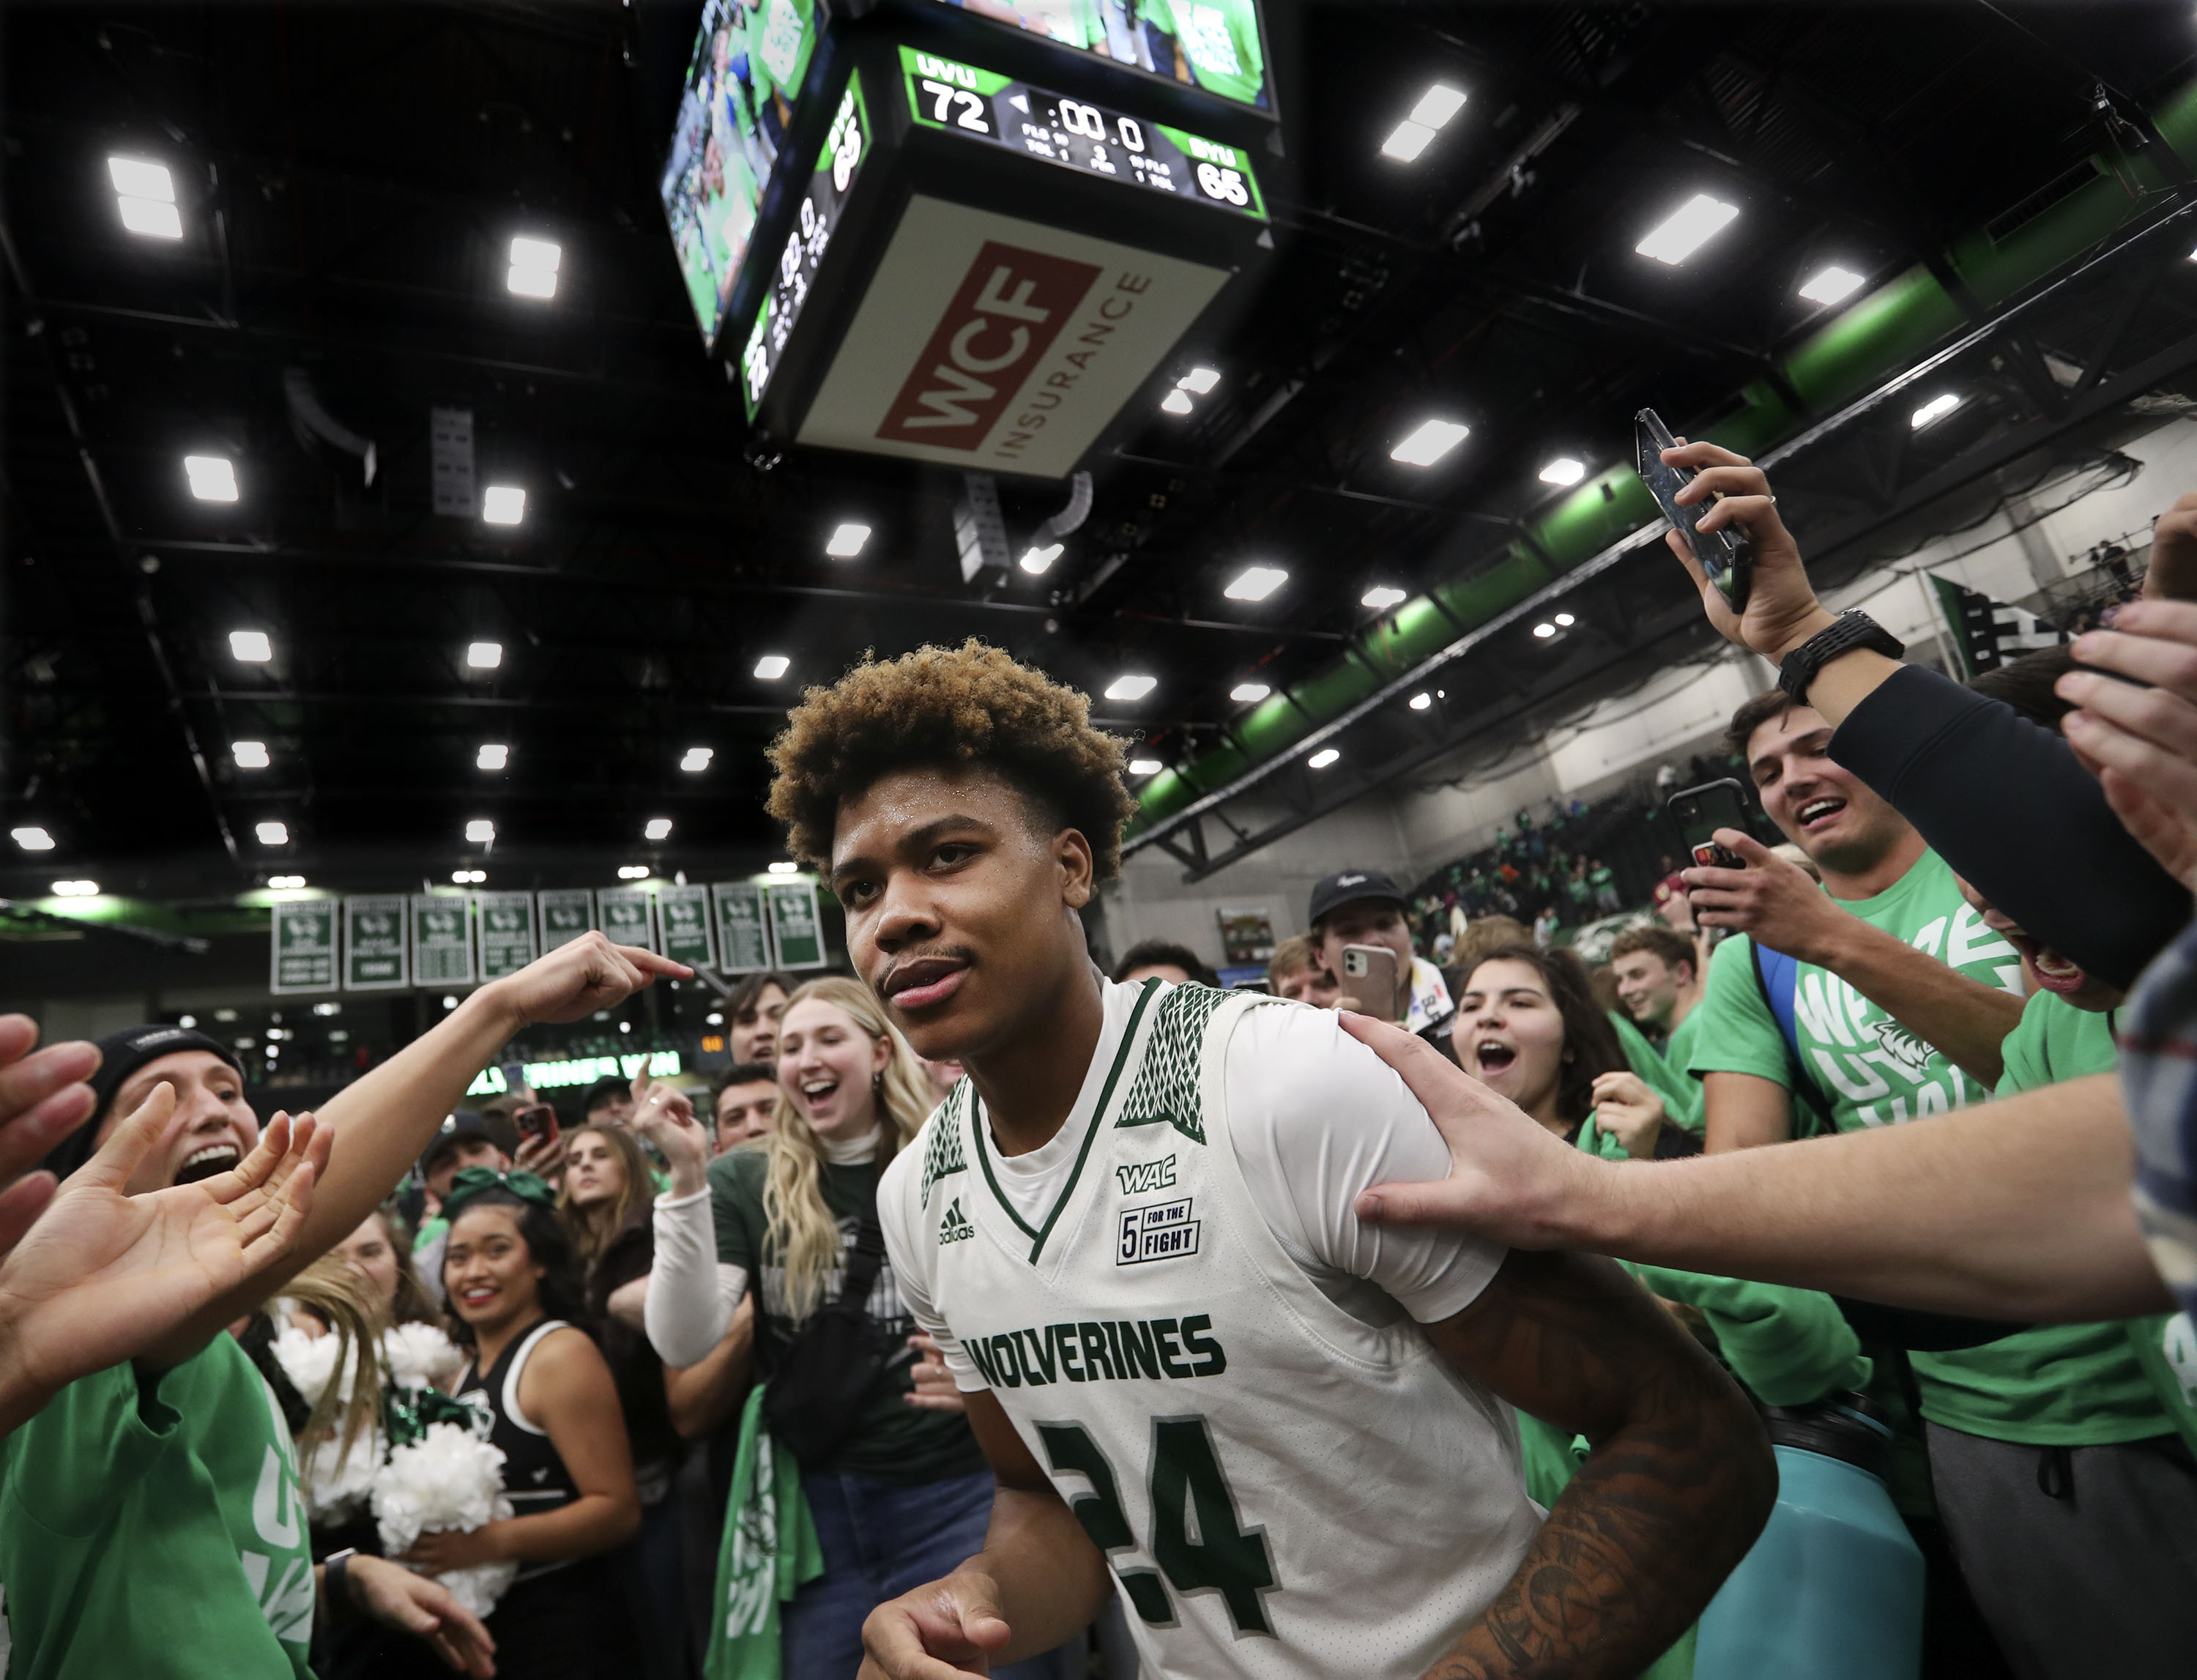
{"type": "Point", "coordinates": [1130, 1231]}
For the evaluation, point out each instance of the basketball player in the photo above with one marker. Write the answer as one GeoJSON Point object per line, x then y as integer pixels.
{"type": "Point", "coordinates": [1283, 1437]}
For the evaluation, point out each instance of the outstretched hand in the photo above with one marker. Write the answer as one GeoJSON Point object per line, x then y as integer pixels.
{"type": "Point", "coordinates": [393, 1595]}
{"type": "Point", "coordinates": [2142, 741]}
{"type": "Point", "coordinates": [43, 1099]}
{"type": "Point", "coordinates": [1781, 608]}
{"type": "Point", "coordinates": [582, 976]}
{"type": "Point", "coordinates": [951, 1626]}
{"type": "Point", "coordinates": [1510, 1177]}
{"type": "Point", "coordinates": [666, 1118]}
{"type": "Point", "coordinates": [104, 1277]}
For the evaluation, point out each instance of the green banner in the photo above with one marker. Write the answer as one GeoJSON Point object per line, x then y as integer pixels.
{"type": "Point", "coordinates": [566, 914]}
{"type": "Point", "coordinates": [743, 940]}
{"type": "Point", "coordinates": [622, 912]}
{"type": "Point", "coordinates": [442, 940]}
{"type": "Point", "coordinates": [683, 915]}
{"type": "Point", "coordinates": [506, 933]}
{"type": "Point", "coordinates": [794, 925]}
{"type": "Point", "coordinates": [374, 944]}
{"type": "Point", "coordinates": [304, 945]}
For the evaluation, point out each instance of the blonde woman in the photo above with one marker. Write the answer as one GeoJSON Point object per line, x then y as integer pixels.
{"type": "Point", "coordinates": [905, 1495]}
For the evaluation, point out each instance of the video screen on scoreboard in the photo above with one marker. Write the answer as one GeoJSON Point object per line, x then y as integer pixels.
{"type": "Point", "coordinates": [1213, 44]}
{"type": "Point", "coordinates": [735, 110]}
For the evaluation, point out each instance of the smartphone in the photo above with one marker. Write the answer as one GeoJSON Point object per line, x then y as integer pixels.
{"type": "Point", "coordinates": [514, 1075]}
{"type": "Point", "coordinates": [1701, 811]}
{"type": "Point", "coordinates": [537, 1121]}
{"type": "Point", "coordinates": [1369, 981]}
{"type": "Point", "coordinates": [1727, 557]}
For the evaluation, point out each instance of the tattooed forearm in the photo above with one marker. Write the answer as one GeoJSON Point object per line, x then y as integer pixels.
{"type": "Point", "coordinates": [1679, 1485]}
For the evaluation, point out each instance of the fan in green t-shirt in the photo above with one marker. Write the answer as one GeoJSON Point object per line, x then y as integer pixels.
{"type": "Point", "coordinates": [1213, 43]}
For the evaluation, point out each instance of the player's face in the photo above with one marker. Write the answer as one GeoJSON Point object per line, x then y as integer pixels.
{"type": "Point", "coordinates": [1509, 1035]}
{"type": "Point", "coordinates": [1646, 986]}
{"type": "Point", "coordinates": [1821, 808]}
{"type": "Point", "coordinates": [745, 1111]}
{"type": "Point", "coordinates": [211, 1131]}
{"type": "Point", "coordinates": [828, 1067]}
{"type": "Point", "coordinates": [960, 913]}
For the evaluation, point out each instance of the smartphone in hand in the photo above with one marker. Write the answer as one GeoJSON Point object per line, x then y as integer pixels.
{"type": "Point", "coordinates": [538, 1122]}
{"type": "Point", "coordinates": [1369, 981]}
{"type": "Point", "coordinates": [1727, 557]}
{"type": "Point", "coordinates": [1701, 811]}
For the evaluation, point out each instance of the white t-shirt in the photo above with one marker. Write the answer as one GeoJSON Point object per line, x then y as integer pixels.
{"type": "Point", "coordinates": [1318, 1119]}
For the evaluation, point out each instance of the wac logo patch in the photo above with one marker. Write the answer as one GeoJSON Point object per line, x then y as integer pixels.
{"type": "Point", "coordinates": [955, 1226]}
{"type": "Point", "coordinates": [1141, 1177]}
{"type": "Point", "coordinates": [1163, 1231]}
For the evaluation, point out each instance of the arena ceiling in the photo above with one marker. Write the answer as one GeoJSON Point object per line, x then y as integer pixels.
{"type": "Point", "coordinates": [349, 178]}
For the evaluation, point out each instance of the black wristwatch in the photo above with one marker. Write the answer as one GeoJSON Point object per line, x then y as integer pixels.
{"type": "Point", "coordinates": [1854, 629]}
{"type": "Point", "coordinates": [335, 1584]}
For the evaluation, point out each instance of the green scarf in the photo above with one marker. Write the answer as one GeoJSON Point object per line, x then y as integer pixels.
{"type": "Point", "coordinates": [770, 1549]}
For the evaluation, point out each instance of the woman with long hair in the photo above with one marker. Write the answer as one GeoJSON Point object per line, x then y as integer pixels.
{"type": "Point", "coordinates": [544, 1395]}
{"type": "Point", "coordinates": [381, 1252]}
{"type": "Point", "coordinates": [905, 1495]}
{"type": "Point", "coordinates": [603, 1203]}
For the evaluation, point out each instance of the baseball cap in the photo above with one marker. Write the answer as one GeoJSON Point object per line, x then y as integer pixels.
{"type": "Point", "coordinates": [1348, 886]}
{"type": "Point", "coordinates": [458, 1129]}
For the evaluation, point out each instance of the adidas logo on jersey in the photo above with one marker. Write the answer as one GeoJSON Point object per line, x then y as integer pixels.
{"type": "Point", "coordinates": [955, 1226]}
{"type": "Point", "coordinates": [1141, 1177]}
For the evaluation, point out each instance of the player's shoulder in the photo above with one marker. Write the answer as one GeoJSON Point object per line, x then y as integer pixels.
{"type": "Point", "coordinates": [934, 1153]}
{"type": "Point", "coordinates": [1288, 1063]}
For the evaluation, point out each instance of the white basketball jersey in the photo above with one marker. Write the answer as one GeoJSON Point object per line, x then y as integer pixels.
{"type": "Point", "coordinates": [1281, 1489]}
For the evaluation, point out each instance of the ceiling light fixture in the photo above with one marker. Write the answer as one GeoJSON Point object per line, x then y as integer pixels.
{"type": "Point", "coordinates": [1833, 284]}
{"type": "Point", "coordinates": [1322, 759]}
{"type": "Point", "coordinates": [534, 263]}
{"type": "Point", "coordinates": [503, 505]}
{"type": "Point", "coordinates": [212, 478]}
{"type": "Point", "coordinates": [1563, 470]}
{"type": "Point", "coordinates": [249, 755]}
{"type": "Point", "coordinates": [657, 828]}
{"type": "Point", "coordinates": [468, 878]}
{"type": "Point", "coordinates": [1037, 561]}
{"type": "Point", "coordinates": [480, 830]}
{"type": "Point", "coordinates": [1544, 630]}
{"type": "Point", "coordinates": [492, 756]}
{"type": "Point", "coordinates": [1936, 408]}
{"type": "Point", "coordinates": [1686, 229]}
{"type": "Point", "coordinates": [1145, 766]}
{"type": "Point", "coordinates": [773, 666]}
{"type": "Point", "coordinates": [1176, 402]}
{"type": "Point", "coordinates": [847, 542]}
{"type": "Point", "coordinates": [697, 760]}
{"type": "Point", "coordinates": [1199, 381]}
{"type": "Point", "coordinates": [1381, 597]}
{"type": "Point", "coordinates": [1565, 621]}
{"type": "Point", "coordinates": [1420, 701]}
{"type": "Point", "coordinates": [1433, 439]}
{"type": "Point", "coordinates": [484, 656]}
{"type": "Point", "coordinates": [632, 871]}
{"type": "Point", "coordinates": [252, 647]}
{"type": "Point", "coordinates": [1412, 137]}
{"type": "Point", "coordinates": [785, 866]}
{"type": "Point", "coordinates": [272, 833]}
{"type": "Point", "coordinates": [1249, 693]}
{"type": "Point", "coordinates": [76, 890]}
{"type": "Point", "coordinates": [287, 883]}
{"type": "Point", "coordinates": [33, 839]}
{"type": "Point", "coordinates": [145, 193]}
{"type": "Point", "coordinates": [1133, 686]}
{"type": "Point", "coordinates": [1255, 583]}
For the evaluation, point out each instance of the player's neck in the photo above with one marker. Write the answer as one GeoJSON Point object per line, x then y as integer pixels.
{"type": "Point", "coordinates": [1030, 1080]}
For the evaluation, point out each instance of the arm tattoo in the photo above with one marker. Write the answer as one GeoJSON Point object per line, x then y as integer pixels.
{"type": "Point", "coordinates": [1679, 1483]}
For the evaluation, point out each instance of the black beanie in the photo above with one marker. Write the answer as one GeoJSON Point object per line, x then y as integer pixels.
{"type": "Point", "coordinates": [120, 1055]}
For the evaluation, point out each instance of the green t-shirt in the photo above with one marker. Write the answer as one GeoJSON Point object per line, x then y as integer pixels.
{"type": "Point", "coordinates": [2059, 1385]}
{"type": "Point", "coordinates": [154, 1530]}
{"type": "Point", "coordinates": [1870, 1069]}
{"type": "Point", "coordinates": [893, 1441]}
{"type": "Point", "coordinates": [1681, 1095]}
{"type": "Point", "coordinates": [1678, 1048]}
{"type": "Point", "coordinates": [1219, 40]}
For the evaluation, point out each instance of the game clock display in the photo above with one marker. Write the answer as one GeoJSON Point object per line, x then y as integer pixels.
{"type": "Point", "coordinates": [960, 99]}
{"type": "Point", "coordinates": [830, 181]}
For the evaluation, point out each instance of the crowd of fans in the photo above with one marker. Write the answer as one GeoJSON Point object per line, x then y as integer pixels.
{"type": "Point", "coordinates": [404, 1388]}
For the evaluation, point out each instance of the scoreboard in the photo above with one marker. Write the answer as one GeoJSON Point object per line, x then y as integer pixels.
{"type": "Point", "coordinates": [982, 245]}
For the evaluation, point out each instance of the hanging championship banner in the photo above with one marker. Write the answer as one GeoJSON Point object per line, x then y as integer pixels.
{"type": "Point", "coordinates": [622, 913]}
{"type": "Point", "coordinates": [682, 914]}
{"type": "Point", "coordinates": [506, 933]}
{"type": "Point", "coordinates": [566, 914]}
{"type": "Point", "coordinates": [442, 940]}
{"type": "Point", "coordinates": [743, 940]}
{"type": "Point", "coordinates": [794, 927]}
{"type": "Point", "coordinates": [304, 945]}
{"type": "Point", "coordinates": [374, 944]}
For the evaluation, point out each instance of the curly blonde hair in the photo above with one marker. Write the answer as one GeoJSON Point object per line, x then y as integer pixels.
{"type": "Point", "coordinates": [806, 1233]}
{"type": "Point", "coordinates": [972, 707]}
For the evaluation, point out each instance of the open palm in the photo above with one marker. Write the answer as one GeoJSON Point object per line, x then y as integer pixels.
{"type": "Point", "coordinates": [102, 1277]}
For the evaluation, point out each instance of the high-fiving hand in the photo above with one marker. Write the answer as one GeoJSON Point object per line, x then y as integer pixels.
{"type": "Point", "coordinates": [2142, 741]}
{"type": "Point", "coordinates": [949, 1627]}
{"type": "Point", "coordinates": [666, 1118]}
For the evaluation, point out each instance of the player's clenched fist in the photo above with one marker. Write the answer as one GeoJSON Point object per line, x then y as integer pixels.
{"type": "Point", "coordinates": [948, 1628]}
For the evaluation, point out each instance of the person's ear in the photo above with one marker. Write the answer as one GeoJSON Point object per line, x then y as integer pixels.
{"type": "Point", "coordinates": [1072, 856]}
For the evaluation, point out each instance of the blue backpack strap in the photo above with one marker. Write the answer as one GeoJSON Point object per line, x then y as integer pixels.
{"type": "Point", "coordinates": [1779, 977]}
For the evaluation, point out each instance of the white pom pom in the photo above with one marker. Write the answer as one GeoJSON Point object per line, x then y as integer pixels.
{"type": "Point", "coordinates": [334, 1489]}
{"type": "Point", "coordinates": [419, 1356]}
{"type": "Point", "coordinates": [449, 1478]}
{"type": "Point", "coordinates": [310, 1362]}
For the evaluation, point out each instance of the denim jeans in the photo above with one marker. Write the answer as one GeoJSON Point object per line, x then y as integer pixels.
{"type": "Point", "coordinates": [880, 1540]}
